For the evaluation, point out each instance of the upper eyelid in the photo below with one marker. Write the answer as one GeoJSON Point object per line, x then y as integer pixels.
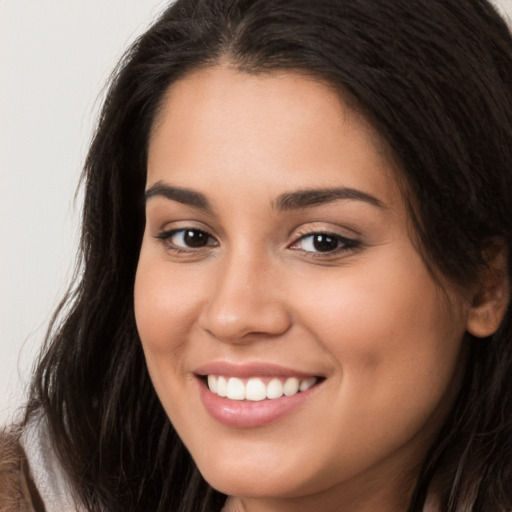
{"type": "Point", "coordinates": [172, 231]}
{"type": "Point", "coordinates": [179, 225]}
{"type": "Point", "coordinates": [304, 230]}
{"type": "Point", "coordinates": [295, 234]}
{"type": "Point", "coordinates": [348, 240]}
{"type": "Point", "coordinates": [214, 225]}
{"type": "Point", "coordinates": [311, 229]}
{"type": "Point", "coordinates": [346, 243]}
{"type": "Point", "coordinates": [331, 232]}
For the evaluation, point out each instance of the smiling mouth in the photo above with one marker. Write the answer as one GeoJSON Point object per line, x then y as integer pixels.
{"type": "Point", "coordinates": [256, 389]}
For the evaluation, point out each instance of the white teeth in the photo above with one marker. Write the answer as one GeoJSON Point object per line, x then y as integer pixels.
{"type": "Point", "coordinates": [236, 389]}
{"type": "Point", "coordinates": [274, 389]}
{"type": "Point", "coordinates": [291, 386]}
{"type": "Point", "coordinates": [307, 383]}
{"type": "Point", "coordinates": [222, 387]}
{"type": "Point", "coordinates": [255, 389]}
{"type": "Point", "coordinates": [212, 383]}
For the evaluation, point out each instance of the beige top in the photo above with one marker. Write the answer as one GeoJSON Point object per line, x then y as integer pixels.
{"type": "Point", "coordinates": [46, 471]}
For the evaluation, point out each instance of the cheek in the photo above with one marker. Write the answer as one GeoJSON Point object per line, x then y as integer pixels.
{"type": "Point", "coordinates": [165, 305]}
{"type": "Point", "coordinates": [390, 331]}
{"type": "Point", "coordinates": [164, 315]}
{"type": "Point", "coordinates": [396, 345]}
{"type": "Point", "coordinates": [390, 305]}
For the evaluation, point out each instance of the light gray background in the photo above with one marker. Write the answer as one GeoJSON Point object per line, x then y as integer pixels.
{"type": "Point", "coordinates": [55, 57]}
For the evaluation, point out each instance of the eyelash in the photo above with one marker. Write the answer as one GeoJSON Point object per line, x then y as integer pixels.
{"type": "Point", "coordinates": [343, 244]}
{"type": "Point", "coordinates": [166, 236]}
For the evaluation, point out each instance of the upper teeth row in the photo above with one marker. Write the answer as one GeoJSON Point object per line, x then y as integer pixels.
{"type": "Point", "coordinates": [255, 389]}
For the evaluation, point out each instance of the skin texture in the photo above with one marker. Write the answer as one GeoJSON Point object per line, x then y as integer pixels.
{"type": "Point", "coordinates": [368, 317]}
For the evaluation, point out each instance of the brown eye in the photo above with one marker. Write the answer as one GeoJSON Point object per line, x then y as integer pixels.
{"type": "Point", "coordinates": [324, 243]}
{"type": "Point", "coordinates": [195, 238]}
{"type": "Point", "coordinates": [187, 239]}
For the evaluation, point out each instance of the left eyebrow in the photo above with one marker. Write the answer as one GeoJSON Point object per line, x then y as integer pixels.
{"type": "Point", "coordinates": [308, 198]}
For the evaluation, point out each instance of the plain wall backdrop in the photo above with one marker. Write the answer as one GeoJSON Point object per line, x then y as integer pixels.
{"type": "Point", "coordinates": [55, 58]}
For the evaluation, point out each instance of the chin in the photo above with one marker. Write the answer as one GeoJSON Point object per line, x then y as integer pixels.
{"type": "Point", "coordinates": [251, 479]}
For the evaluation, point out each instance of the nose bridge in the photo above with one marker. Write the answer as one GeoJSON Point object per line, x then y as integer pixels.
{"type": "Point", "coordinates": [245, 297]}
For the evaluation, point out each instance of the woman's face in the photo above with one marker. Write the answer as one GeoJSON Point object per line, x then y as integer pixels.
{"type": "Point", "coordinates": [277, 254]}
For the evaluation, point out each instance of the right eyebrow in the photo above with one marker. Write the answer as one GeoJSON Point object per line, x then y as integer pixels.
{"type": "Point", "coordinates": [181, 195]}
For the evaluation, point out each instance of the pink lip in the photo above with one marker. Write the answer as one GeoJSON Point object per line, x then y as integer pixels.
{"type": "Point", "coordinates": [245, 413]}
{"type": "Point", "coordinates": [249, 370]}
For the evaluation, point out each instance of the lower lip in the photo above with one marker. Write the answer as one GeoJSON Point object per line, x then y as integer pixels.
{"type": "Point", "coordinates": [249, 414]}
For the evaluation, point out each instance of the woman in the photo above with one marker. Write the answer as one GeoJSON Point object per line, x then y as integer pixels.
{"type": "Point", "coordinates": [295, 281]}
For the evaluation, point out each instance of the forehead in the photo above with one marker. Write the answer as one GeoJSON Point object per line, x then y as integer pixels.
{"type": "Point", "coordinates": [220, 125]}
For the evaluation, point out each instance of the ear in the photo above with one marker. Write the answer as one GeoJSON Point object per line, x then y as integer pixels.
{"type": "Point", "coordinates": [491, 297]}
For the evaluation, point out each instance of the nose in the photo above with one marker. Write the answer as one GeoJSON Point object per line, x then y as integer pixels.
{"type": "Point", "coordinates": [245, 301]}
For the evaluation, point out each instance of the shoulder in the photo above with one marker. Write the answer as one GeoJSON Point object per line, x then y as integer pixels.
{"type": "Point", "coordinates": [17, 490]}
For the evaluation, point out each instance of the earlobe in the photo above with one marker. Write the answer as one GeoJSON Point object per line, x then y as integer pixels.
{"type": "Point", "coordinates": [491, 299]}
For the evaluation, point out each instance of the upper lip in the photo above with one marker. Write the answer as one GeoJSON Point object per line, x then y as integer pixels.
{"type": "Point", "coordinates": [249, 370]}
